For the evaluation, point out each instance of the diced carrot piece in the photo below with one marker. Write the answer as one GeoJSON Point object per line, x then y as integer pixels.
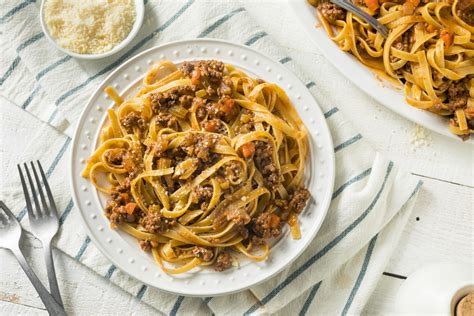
{"type": "Point", "coordinates": [211, 126]}
{"type": "Point", "coordinates": [414, 2]}
{"type": "Point", "coordinates": [274, 221]}
{"type": "Point", "coordinates": [125, 197]}
{"type": "Point", "coordinates": [447, 37]}
{"type": "Point", "coordinates": [130, 207]}
{"type": "Point", "coordinates": [227, 106]}
{"type": "Point", "coordinates": [196, 74]}
{"type": "Point", "coordinates": [248, 149]}
{"type": "Point", "coordinates": [373, 5]}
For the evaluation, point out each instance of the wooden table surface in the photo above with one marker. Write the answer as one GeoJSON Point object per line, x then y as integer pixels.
{"type": "Point", "coordinates": [441, 227]}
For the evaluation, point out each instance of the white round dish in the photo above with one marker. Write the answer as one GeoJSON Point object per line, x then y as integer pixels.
{"type": "Point", "coordinates": [435, 289]}
{"type": "Point", "coordinates": [123, 250]}
{"type": "Point", "coordinates": [348, 65]}
{"type": "Point", "coordinates": [139, 14]}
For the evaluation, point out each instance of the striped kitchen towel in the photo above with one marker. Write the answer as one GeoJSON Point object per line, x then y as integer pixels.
{"type": "Point", "coordinates": [46, 91]}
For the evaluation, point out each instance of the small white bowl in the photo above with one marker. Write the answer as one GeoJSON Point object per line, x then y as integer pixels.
{"type": "Point", "coordinates": [139, 13]}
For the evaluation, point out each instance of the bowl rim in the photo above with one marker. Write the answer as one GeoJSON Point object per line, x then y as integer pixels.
{"type": "Point", "coordinates": [139, 16]}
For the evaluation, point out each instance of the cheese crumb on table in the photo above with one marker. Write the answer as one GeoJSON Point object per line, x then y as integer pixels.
{"type": "Point", "coordinates": [89, 26]}
{"type": "Point", "coordinates": [420, 137]}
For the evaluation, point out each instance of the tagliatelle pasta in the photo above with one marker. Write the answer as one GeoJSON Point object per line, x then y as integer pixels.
{"type": "Point", "coordinates": [204, 161]}
{"type": "Point", "coordinates": [429, 51]}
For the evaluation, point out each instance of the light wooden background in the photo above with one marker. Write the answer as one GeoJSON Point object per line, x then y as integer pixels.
{"type": "Point", "coordinates": [441, 227]}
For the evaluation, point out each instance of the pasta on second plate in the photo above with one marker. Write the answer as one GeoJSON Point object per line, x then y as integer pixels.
{"type": "Point", "coordinates": [429, 51]}
{"type": "Point", "coordinates": [204, 161]}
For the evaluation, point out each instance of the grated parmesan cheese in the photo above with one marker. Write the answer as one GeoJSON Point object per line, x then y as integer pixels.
{"type": "Point", "coordinates": [89, 26]}
{"type": "Point", "coordinates": [420, 137]}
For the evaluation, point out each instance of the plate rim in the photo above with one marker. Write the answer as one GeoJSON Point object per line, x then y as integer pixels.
{"type": "Point", "coordinates": [79, 128]}
{"type": "Point", "coordinates": [353, 71]}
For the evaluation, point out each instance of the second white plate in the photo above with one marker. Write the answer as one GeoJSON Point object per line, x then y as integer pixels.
{"type": "Point", "coordinates": [364, 78]}
{"type": "Point", "coordinates": [123, 250]}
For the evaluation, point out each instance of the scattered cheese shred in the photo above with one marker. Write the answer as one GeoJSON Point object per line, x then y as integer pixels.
{"type": "Point", "coordinates": [420, 137]}
{"type": "Point", "coordinates": [89, 26]}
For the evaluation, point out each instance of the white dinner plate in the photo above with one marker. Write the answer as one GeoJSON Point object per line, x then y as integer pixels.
{"type": "Point", "coordinates": [350, 67]}
{"type": "Point", "coordinates": [123, 250]}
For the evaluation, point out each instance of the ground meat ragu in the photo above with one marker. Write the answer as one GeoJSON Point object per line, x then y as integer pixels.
{"type": "Point", "coordinates": [146, 245]}
{"type": "Point", "coordinates": [294, 204]}
{"type": "Point", "coordinates": [231, 171]}
{"type": "Point", "coordinates": [133, 120]}
{"type": "Point", "coordinates": [465, 11]}
{"type": "Point", "coordinates": [223, 261]}
{"type": "Point", "coordinates": [202, 195]}
{"type": "Point", "coordinates": [114, 157]}
{"type": "Point", "coordinates": [164, 100]}
{"type": "Point", "coordinates": [154, 222]}
{"type": "Point", "coordinates": [266, 225]}
{"type": "Point", "coordinates": [205, 254]}
{"type": "Point", "coordinates": [199, 145]}
{"type": "Point", "coordinates": [458, 93]}
{"type": "Point", "coordinates": [264, 161]}
{"type": "Point", "coordinates": [166, 120]}
{"type": "Point", "coordinates": [331, 12]}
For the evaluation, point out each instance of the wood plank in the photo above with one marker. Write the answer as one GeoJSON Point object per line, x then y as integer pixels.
{"type": "Point", "coordinates": [82, 290]}
{"type": "Point", "coordinates": [9, 308]}
{"type": "Point", "coordinates": [440, 228]}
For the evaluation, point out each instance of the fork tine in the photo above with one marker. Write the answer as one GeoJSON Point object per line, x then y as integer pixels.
{"type": "Point", "coordinates": [40, 190]}
{"type": "Point", "coordinates": [7, 211]}
{"type": "Point", "coordinates": [33, 191]}
{"type": "Point", "coordinates": [48, 190]}
{"type": "Point", "coordinates": [3, 215]}
{"type": "Point", "coordinates": [29, 207]}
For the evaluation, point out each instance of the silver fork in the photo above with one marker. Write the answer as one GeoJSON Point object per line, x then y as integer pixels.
{"type": "Point", "coordinates": [10, 235]}
{"type": "Point", "coordinates": [44, 222]}
{"type": "Point", "coordinates": [349, 6]}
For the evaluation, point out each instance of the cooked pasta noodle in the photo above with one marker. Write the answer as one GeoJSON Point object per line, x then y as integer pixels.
{"type": "Point", "coordinates": [202, 160]}
{"type": "Point", "coordinates": [429, 51]}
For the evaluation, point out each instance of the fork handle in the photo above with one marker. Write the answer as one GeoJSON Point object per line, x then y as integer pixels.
{"type": "Point", "coordinates": [53, 282]}
{"type": "Point", "coordinates": [49, 302]}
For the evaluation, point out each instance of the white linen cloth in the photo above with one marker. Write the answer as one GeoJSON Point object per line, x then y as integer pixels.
{"type": "Point", "coordinates": [372, 199]}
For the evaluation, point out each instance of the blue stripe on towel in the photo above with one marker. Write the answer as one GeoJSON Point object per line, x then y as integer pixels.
{"type": "Point", "coordinates": [326, 249]}
{"type": "Point", "coordinates": [17, 59]}
{"type": "Point", "coordinates": [141, 292]}
{"type": "Point", "coordinates": [361, 275]}
{"type": "Point", "coordinates": [176, 305]}
{"type": "Point", "coordinates": [255, 38]}
{"type": "Point", "coordinates": [348, 142]}
{"type": "Point", "coordinates": [66, 212]}
{"type": "Point", "coordinates": [310, 84]}
{"type": "Point", "coordinates": [219, 22]}
{"type": "Point", "coordinates": [310, 299]}
{"type": "Point", "coordinates": [110, 271]}
{"type": "Point", "coordinates": [15, 10]}
{"type": "Point", "coordinates": [329, 113]}
{"type": "Point", "coordinates": [82, 249]}
{"type": "Point", "coordinates": [30, 98]}
{"type": "Point", "coordinates": [29, 41]}
{"type": "Point", "coordinates": [349, 182]}
{"type": "Point", "coordinates": [52, 66]}
{"type": "Point", "coordinates": [10, 69]}
{"type": "Point", "coordinates": [284, 60]}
